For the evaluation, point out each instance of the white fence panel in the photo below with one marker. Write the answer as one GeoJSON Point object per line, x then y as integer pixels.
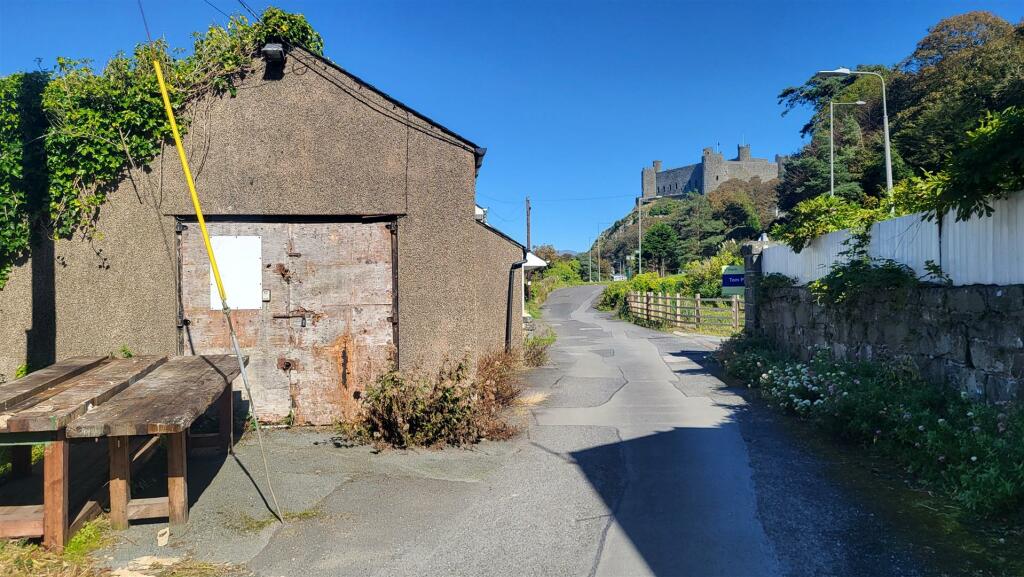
{"type": "Point", "coordinates": [986, 250]}
{"type": "Point", "coordinates": [982, 250]}
{"type": "Point", "coordinates": [906, 239]}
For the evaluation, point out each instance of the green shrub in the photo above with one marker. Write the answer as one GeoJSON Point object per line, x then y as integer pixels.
{"type": "Point", "coordinates": [535, 349]}
{"type": "Point", "coordinates": [846, 282]}
{"type": "Point", "coordinates": [816, 216]}
{"type": "Point", "coordinates": [971, 451]}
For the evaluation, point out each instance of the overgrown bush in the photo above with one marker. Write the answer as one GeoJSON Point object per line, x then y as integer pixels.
{"type": "Point", "coordinates": [769, 283]}
{"type": "Point", "coordinates": [535, 349]}
{"type": "Point", "coordinates": [816, 216]}
{"type": "Point", "coordinates": [972, 451]}
{"type": "Point", "coordinates": [847, 281]}
{"type": "Point", "coordinates": [448, 408]}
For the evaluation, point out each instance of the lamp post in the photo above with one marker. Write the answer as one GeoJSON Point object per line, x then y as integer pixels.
{"type": "Point", "coordinates": [885, 116]}
{"type": "Point", "coordinates": [831, 142]}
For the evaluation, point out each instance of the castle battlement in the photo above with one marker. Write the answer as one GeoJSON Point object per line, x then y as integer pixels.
{"type": "Point", "coordinates": [705, 176]}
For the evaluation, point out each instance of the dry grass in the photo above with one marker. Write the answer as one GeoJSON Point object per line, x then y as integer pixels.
{"type": "Point", "coordinates": [249, 524]}
{"type": "Point", "coordinates": [25, 559]}
{"type": "Point", "coordinates": [193, 568]}
{"type": "Point", "coordinates": [451, 407]}
{"type": "Point", "coordinates": [531, 399]}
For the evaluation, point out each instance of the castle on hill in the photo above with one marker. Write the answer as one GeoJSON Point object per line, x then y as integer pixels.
{"type": "Point", "coordinates": [704, 177]}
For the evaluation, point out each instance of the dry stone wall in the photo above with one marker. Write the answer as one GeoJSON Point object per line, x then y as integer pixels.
{"type": "Point", "coordinates": [971, 337]}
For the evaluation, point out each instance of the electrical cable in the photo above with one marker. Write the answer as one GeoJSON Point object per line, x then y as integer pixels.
{"type": "Point", "coordinates": [350, 91]}
{"type": "Point", "coordinates": [215, 271]}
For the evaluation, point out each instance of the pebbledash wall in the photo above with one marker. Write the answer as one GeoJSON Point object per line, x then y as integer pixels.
{"type": "Point", "coordinates": [319, 142]}
{"type": "Point", "coordinates": [969, 336]}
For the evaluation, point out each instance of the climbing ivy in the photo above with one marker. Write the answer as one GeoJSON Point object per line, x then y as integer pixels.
{"type": "Point", "coordinates": [93, 126]}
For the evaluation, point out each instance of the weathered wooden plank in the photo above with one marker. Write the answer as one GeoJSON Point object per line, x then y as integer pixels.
{"type": "Point", "coordinates": [55, 494]}
{"type": "Point", "coordinates": [34, 383]}
{"type": "Point", "coordinates": [19, 522]}
{"type": "Point", "coordinates": [177, 479]}
{"type": "Point", "coordinates": [166, 401]}
{"type": "Point", "coordinates": [150, 508]}
{"type": "Point", "coordinates": [88, 390]}
{"type": "Point", "coordinates": [88, 512]}
{"type": "Point", "coordinates": [120, 481]}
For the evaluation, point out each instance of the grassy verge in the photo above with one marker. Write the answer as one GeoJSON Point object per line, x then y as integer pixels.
{"type": "Point", "coordinates": [19, 558]}
{"type": "Point", "coordinates": [970, 452]}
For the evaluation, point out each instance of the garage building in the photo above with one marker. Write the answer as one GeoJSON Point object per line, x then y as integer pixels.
{"type": "Point", "coordinates": [344, 221]}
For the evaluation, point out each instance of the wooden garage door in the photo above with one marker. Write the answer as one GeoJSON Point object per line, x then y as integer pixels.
{"type": "Point", "coordinates": [313, 304]}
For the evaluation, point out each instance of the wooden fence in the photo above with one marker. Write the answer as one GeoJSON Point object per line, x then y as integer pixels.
{"type": "Point", "coordinates": [693, 312]}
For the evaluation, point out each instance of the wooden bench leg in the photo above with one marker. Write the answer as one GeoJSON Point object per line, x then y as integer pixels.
{"type": "Point", "coordinates": [120, 481]}
{"type": "Point", "coordinates": [177, 481]}
{"type": "Point", "coordinates": [225, 419]}
{"type": "Point", "coordinates": [21, 461]}
{"type": "Point", "coordinates": [55, 493]}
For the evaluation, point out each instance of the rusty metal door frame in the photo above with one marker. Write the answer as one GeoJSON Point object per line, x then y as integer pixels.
{"type": "Point", "coordinates": [393, 227]}
{"type": "Point", "coordinates": [183, 221]}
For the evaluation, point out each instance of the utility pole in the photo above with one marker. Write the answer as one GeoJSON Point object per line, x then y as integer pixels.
{"type": "Point", "coordinates": [529, 247]}
{"type": "Point", "coordinates": [640, 236]}
{"type": "Point", "coordinates": [599, 256]}
{"type": "Point", "coordinates": [590, 265]}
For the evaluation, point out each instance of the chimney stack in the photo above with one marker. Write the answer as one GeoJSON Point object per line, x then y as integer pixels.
{"type": "Point", "coordinates": [657, 166]}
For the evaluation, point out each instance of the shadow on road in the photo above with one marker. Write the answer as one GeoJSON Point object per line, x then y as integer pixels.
{"type": "Point", "coordinates": [684, 506]}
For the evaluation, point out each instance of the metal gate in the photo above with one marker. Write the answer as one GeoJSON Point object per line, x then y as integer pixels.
{"type": "Point", "coordinates": [314, 304]}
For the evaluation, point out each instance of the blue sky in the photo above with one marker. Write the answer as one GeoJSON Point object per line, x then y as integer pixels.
{"type": "Point", "coordinates": [571, 99]}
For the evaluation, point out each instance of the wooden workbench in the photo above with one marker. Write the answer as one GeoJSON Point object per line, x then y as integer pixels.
{"type": "Point", "coordinates": [90, 397]}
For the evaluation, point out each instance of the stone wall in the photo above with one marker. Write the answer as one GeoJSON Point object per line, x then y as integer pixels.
{"type": "Point", "coordinates": [971, 338]}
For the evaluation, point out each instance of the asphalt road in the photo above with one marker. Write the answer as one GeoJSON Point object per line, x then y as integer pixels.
{"type": "Point", "coordinates": [640, 462]}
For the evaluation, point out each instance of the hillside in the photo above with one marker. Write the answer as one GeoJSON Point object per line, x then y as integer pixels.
{"type": "Point", "coordinates": [678, 230]}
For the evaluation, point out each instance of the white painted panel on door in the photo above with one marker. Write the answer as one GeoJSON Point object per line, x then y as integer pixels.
{"type": "Point", "coordinates": [240, 260]}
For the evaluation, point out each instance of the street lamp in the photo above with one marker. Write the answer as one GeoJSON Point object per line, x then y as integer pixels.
{"type": "Point", "coordinates": [831, 142]}
{"type": "Point", "coordinates": [885, 116]}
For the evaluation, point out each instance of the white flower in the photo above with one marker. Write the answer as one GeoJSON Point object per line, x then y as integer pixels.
{"type": "Point", "coordinates": [973, 458]}
{"type": "Point", "coordinates": [970, 413]}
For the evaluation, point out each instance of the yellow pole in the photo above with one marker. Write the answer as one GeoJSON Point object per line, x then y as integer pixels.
{"type": "Point", "coordinates": [191, 183]}
{"type": "Point", "coordinates": [216, 273]}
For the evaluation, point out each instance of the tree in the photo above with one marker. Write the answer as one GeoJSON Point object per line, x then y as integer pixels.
{"type": "Point", "coordinates": [546, 252]}
{"type": "Point", "coordinates": [661, 245]}
{"type": "Point", "coordinates": [966, 65]}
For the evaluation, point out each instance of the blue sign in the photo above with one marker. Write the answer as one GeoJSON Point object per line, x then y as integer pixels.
{"type": "Point", "coordinates": [732, 280]}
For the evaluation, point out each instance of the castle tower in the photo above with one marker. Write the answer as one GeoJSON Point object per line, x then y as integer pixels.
{"type": "Point", "coordinates": [711, 168]}
{"type": "Point", "coordinates": [649, 180]}
{"type": "Point", "coordinates": [743, 152]}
